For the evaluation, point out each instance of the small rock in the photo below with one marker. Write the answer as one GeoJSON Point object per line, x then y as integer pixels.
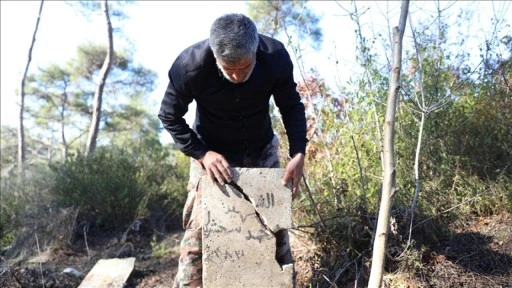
{"type": "Point", "coordinates": [72, 271]}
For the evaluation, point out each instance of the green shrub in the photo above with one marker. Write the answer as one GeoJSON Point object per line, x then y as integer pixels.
{"type": "Point", "coordinates": [163, 177]}
{"type": "Point", "coordinates": [102, 187]}
{"type": "Point", "coordinates": [23, 201]}
{"type": "Point", "coordinates": [113, 187]}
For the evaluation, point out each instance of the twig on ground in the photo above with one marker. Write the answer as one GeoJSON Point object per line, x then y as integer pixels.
{"type": "Point", "coordinates": [86, 245]}
{"type": "Point", "coordinates": [327, 279]}
{"type": "Point", "coordinates": [73, 227]}
{"type": "Point", "coordinates": [40, 265]}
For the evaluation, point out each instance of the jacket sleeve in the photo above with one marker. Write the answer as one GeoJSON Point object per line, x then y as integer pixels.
{"type": "Point", "coordinates": [290, 106]}
{"type": "Point", "coordinates": [173, 108]}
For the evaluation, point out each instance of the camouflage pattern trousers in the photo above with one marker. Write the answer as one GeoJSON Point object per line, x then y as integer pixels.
{"type": "Point", "coordinates": [190, 262]}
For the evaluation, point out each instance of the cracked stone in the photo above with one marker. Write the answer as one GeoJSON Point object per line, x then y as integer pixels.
{"type": "Point", "coordinates": [238, 225]}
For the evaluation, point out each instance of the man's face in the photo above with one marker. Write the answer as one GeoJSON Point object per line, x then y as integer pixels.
{"type": "Point", "coordinates": [237, 72]}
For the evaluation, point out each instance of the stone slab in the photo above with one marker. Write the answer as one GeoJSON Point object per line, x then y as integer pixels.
{"type": "Point", "coordinates": [238, 242]}
{"type": "Point", "coordinates": [111, 273]}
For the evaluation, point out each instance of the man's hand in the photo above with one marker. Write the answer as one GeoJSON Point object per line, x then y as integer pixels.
{"type": "Point", "coordinates": [293, 172]}
{"type": "Point", "coordinates": [217, 167]}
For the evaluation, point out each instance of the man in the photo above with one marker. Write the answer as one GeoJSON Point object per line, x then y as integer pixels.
{"type": "Point", "coordinates": [231, 76]}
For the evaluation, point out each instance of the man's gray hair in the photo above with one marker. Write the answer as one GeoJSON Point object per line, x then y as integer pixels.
{"type": "Point", "coordinates": [233, 37]}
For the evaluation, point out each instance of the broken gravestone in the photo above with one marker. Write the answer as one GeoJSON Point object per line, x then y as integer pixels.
{"type": "Point", "coordinates": [239, 222]}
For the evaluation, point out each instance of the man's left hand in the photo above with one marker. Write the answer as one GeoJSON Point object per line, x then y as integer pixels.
{"type": "Point", "coordinates": [293, 172]}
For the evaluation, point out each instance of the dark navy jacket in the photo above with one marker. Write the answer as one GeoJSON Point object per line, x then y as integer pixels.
{"type": "Point", "coordinates": [232, 118]}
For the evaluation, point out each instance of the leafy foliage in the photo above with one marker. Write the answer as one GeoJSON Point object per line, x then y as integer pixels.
{"type": "Point", "coordinates": [102, 187]}
{"type": "Point", "coordinates": [464, 162]}
{"type": "Point", "coordinates": [114, 187]}
{"type": "Point", "coordinates": [59, 102]}
{"type": "Point", "coordinates": [275, 16]}
{"type": "Point", "coordinates": [164, 179]}
{"type": "Point", "coordinates": [23, 201]}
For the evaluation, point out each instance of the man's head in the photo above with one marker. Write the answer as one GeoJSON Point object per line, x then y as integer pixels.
{"type": "Point", "coordinates": [234, 41]}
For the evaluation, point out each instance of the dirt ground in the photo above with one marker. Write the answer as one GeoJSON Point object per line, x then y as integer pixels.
{"type": "Point", "coordinates": [478, 255]}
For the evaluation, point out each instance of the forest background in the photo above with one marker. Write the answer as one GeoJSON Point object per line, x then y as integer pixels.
{"type": "Point", "coordinates": [113, 168]}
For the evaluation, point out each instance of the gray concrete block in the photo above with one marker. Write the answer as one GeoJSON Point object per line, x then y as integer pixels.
{"type": "Point", "coordinates": [238, 242]}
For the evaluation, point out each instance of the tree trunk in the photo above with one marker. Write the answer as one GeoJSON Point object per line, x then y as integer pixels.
{"type": "Point", "coordinates": [21, 128]}
{"type": "Point", "coordinates": [98, 94]}
{"type": "Point", "coordinates": [62, 127]}
{"type": "Point", "coordinates": [388, 185]}
{"type": "Point", "coordinates": [416, 175]}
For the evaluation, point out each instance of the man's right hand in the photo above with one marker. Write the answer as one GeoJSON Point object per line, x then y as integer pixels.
{"type": "Point", "coordinates": [217, 167]}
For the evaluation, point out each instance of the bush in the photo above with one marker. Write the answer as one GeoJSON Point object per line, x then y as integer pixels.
{"type": "Point", "coordinates": [163, 177]}
{"type": "Point", "coordinates": [24, 202]}
{"type": "Point", "coordinates": [114, 187]}
{"type": "Point", "coordinates": [108, 190]}
{"type": "Point", "coordinates": [102, 187]}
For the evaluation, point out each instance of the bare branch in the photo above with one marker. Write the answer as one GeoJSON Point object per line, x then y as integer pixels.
{"type": "Point", "coordinates": [21, 129]}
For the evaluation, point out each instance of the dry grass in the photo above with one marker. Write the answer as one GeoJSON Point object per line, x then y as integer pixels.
{"type": "Point", "coordinates": [478, 254]}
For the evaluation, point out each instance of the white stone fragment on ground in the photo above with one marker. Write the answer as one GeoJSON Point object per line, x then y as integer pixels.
{"type": "Point", "coordinates": [111, 273]}
{"type": "Point", "coordinates": [72, 271]}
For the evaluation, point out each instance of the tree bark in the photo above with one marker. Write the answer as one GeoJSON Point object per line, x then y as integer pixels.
{"type": "Point", "coordinates": [21, 128]}
{"type": "Point", "coordinates": [98, 94]}
{"type": "Point", "coordinates": [388, 185]}
{"type": "Point", "coordinates": [63, 125]}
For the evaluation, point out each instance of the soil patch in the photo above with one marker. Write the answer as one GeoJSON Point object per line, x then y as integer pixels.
{"type": "Point", "coordinates": [479, 254]}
